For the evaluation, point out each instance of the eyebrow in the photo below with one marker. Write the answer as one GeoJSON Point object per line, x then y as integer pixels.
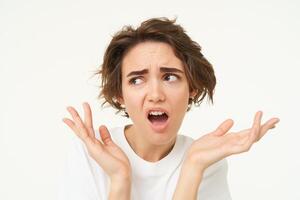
{"type": "Point", "coordinates": [162, 69]}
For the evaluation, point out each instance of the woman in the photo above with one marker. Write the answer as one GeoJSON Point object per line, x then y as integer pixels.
{"type": "Point", "coordinates": [154, 74]}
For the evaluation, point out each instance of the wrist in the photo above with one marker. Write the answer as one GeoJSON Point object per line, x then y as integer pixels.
{"type": "Point", "coordinates": [120, 182]}
{"type": "Point", "coordinates": [120, 189]}
{"type": "Point", "coordinates": [189, 181]}
{"type": "Point", "coordinates": [193, 163]}
{"type": "Point", "coordinates": [191, 172]}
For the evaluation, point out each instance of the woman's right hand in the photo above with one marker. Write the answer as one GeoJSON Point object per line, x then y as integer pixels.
{"type": "Point", "coordinates": [106, 153]}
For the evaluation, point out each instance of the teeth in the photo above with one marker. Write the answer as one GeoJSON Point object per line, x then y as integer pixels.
{"type": "Point", "coordinates": [156, 113]}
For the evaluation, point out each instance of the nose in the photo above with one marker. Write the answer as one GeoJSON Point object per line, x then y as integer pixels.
{"type": "Point", "coordinates": [155, 92]}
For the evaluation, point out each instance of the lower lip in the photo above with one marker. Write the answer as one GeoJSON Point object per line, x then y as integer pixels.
{"type": "Point", "coordinates": [159, 127]}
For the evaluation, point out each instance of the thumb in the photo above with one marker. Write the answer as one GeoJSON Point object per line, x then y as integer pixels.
{"type": "Point", "coordinates": [223, 128]}
{"type": "Point", "coordinates": [105, 135]}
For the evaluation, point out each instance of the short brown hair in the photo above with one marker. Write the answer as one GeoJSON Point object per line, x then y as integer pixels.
{"type": "Point", "coordinates": [199, 71]}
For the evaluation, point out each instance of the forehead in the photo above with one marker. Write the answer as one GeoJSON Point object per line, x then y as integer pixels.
{"type": "Point", "coordinates": [150, 54]}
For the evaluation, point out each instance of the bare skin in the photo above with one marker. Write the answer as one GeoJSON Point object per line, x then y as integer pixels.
{"type": "Point", "coordinates": [105, 152]}
{"type": "Point", "coordinates": [215, 146]}
{"type": "Point", "coordinates": [204, 152]}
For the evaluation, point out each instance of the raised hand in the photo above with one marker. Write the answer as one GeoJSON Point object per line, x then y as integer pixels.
{"type": "Point", "coordinates": [105, 152]}
{"type": "Point", "coordinates": [219, 144]}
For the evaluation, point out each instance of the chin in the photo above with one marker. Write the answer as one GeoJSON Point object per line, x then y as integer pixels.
{"type": "Point", "coordinates": [162, 138]}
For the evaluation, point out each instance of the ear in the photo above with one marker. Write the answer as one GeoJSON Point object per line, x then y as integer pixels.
{"type": "Point", "coordinates": [193, 94]}
{"type": "Point", "coordinates": [120, 100]}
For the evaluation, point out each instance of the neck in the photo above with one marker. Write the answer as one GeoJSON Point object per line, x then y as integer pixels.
{"type": "Point", "coordinates": [144, 149]}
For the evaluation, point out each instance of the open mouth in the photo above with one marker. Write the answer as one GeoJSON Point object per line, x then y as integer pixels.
{"type": "Point", "coordinates": [157, 117]}
{"type": "Point", "coordinates": [158, 120]}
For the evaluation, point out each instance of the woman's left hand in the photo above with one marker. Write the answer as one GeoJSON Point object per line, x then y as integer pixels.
{"type": "Point", "coordinates": [217, 145]}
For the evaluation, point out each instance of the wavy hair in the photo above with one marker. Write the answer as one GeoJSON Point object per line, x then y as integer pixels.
{"type": "Point", "coordinates": [200, 73]}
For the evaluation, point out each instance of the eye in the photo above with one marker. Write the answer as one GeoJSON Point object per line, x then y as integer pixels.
{"type": "Point", "coordinates": [135, 81]}
{"type": "Point", "coordinates": [171, 77]}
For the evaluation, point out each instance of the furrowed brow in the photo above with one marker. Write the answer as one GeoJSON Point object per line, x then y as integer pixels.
{"type": "Point", "coordinates": [162, 69]}
{"type": "Point", "coordinates": [170, 69]}
{"type": "Point", "coordinates": [141, 72]}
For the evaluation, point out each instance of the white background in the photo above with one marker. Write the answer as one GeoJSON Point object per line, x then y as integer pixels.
{"type": "Point", "coordinates": [49, 49]}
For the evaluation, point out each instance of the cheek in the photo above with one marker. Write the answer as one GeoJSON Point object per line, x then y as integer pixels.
{"type": "Point", "coordinates": [132, 100]}
{"type": "Point", "coordinates": [179, 98]}
{"type": "Point", "coordinates": [180, 90]}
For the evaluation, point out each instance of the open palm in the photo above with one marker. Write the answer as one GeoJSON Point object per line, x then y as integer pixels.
{"type": "Point", "coordinates": [105, 152]}
{"type": "Point", "coordinates": [219, 144]}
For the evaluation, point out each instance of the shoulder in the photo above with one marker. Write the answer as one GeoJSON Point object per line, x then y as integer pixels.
{"type": "Point", "coordinates": [220, 167]}
{"type": "Point", "coordinates": [79, 171]}
{"type": "Point", "coordinates": [214, 184]}
{"type": "Point", "coordinates": [184, 140]}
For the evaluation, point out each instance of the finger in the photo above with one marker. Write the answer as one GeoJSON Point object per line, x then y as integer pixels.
{"type": "Point", "coordinates": [255, 130]}
{"type": "Point", "coordinates": [88, 120]}
{"type": "Point", "coordinates": [105, 135]}
{"type": "Point", "coordinates": [82, 132]}
{"type": "Point", "coordinates": [223, 128]}
{"type": "Point", "coordinates": [270, 124]}
{"type": "Point", "coordinates": [70, 124]}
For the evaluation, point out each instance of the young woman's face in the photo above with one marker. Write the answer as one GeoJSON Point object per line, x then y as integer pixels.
{"type": "Point", "coordinates": [155, 91]}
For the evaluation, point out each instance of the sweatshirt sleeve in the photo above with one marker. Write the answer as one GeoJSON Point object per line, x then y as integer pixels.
{"type": "Point", "coordinates": [78, 179]}
{"type": "Point", "coordinates": [215, 186]}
